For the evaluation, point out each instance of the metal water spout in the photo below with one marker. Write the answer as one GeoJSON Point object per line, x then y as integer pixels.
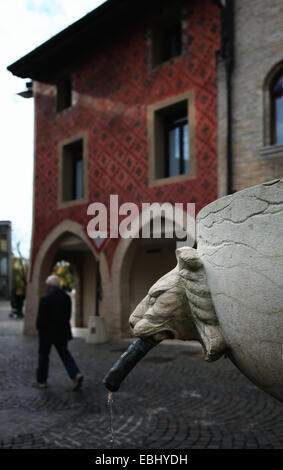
{"type": "Point", "coordinates": [135, 352]}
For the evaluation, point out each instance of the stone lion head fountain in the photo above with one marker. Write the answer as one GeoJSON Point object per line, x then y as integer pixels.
{"type": "Point", "coordinates": [228, 293]}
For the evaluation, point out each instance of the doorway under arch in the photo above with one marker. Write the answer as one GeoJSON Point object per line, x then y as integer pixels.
{"type": "Point", "coordinates": [66, 242]}
{"type": "Point", "coordinates": [152, 259]}
{"type": "Point", "coordinates": [138, 262]}
{"type": "Point", "coordinates": [72, 249]}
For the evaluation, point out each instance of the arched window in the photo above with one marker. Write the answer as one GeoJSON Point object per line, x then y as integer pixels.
{"type": "Point", "coordinates": [276, 101]}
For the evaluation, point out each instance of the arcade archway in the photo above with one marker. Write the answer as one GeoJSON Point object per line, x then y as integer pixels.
{"type": "Point", "coordinates": [66, 242]}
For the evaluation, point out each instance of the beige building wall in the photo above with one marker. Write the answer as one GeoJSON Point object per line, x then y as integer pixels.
{"type": "Point", "coordinates": [147, 267]}
{"type": "Point", "coordinates": [258, 51]}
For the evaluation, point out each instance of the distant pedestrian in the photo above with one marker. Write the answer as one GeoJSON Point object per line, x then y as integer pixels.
{"type": "Point", "coordinates": [17, 302]}
{"type": "Point", "coordinates": [20, 302]}
{"type": "Point", "coordinates": [53, 324]}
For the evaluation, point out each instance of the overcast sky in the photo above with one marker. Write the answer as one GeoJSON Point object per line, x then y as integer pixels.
{"type": "Point", "coordinates": [24, 25]}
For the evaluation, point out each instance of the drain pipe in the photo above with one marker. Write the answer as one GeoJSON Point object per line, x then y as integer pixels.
{"type": "Point", "coordinates": [227, 53]}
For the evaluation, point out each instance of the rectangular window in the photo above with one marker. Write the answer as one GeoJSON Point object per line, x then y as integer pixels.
{"type": "Point", "coordinates": [72, 171]}
{"type": "Point", "coordinates": [172, 41]}
{"type": "Point", "coordinates": [171, 127]}
{"type": "Point", "coordinates": [177, 145]}
{"type": "Point", "coordinates": [64, 93]}
{"type": "Point", "coordinates": [166, 36]}
{"type": "Point", "coordinates": [279, 120]}
{"type": "Point", "coordinates": [3, 266]}
{"type": "Point", "coordinates": [3, 243]}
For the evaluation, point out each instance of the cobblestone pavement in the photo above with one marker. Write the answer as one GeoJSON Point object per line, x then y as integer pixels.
{"type": "Point", "coordinates": [172, 400]}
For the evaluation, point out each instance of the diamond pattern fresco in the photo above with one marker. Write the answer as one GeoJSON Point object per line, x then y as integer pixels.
{"type": "Point", "coordinates": [112, 90]}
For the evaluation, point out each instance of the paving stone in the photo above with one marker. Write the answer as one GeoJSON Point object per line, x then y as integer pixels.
{"type": "Point", "coordinates": [184, 403]}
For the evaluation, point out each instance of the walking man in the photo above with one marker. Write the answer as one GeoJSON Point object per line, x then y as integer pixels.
{"type": "Point", "coordinates": [53, 324]}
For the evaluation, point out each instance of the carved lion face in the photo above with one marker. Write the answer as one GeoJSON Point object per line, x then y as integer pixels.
{"type": "Point", "coordinates": [179, 305]}
{"type": "Point", "coordinates": [164, 313]}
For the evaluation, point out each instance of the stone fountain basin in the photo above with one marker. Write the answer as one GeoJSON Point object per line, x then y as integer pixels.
{"type": "Point", "coordinates": [240, 241]}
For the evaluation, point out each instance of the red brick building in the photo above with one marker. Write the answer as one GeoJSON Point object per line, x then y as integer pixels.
{"type": "Point", "coordinates": [110, 92]}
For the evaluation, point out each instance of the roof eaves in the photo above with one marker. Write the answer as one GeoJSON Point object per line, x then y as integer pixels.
{"type": "Point", "coordinates": [23, 66]}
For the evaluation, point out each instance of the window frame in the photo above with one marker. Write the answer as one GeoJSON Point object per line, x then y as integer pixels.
{"type": "Point", "coordinates": [73, 202]}
{"type": "Point", "coordinates": [156, 148]}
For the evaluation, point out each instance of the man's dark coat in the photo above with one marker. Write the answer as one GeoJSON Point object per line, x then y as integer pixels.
{"type": "Point", "coordinates": [53, 318]}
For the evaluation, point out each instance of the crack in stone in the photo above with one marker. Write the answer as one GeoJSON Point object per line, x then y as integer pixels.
{"type": "Point", "coordinates": [221, 246]}
{"type": "Point", "coordinates": [250, 268]}
{"type": "Point", "coordinates": [225, 243]}
{"type": "Point", "coordinates": [261, 212]}
{"type": "Point", "coordinates": [236, 199]}
{"type": "Point", "coordinates": [263, 186]}
{"type": "Point", "coordinates": [246, 307]}
{"type": "Point", "coordinates": [250, 216]}
{"type": "Point", "coordinates": [199, 217]}
{"type": "Point", "coordinates": [270, 203]}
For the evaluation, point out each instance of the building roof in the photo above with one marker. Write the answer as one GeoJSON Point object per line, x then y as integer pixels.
{"type": "Point", "coordinates": [44, 62]}
{"type": "Point", "coordinates": [5, 222]}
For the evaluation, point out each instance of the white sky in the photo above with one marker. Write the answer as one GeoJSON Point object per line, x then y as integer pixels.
{"type": "Point", "coordinates": [24, 25]}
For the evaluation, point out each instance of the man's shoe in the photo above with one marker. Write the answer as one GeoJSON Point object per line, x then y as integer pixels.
{"type": "Point", "coordinates": [39, 384]}
{"type": "Point", "coordinates": [77, 383]}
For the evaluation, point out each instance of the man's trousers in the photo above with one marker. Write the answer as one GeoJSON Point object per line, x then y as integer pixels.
{"type": "Point", "coordinates": [43, 359]}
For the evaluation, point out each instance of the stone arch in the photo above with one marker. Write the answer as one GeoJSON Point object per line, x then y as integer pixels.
{"type": "Point", "coordinates": [122, 262]}
{"type": "Point", "coordinates": [44, 261]}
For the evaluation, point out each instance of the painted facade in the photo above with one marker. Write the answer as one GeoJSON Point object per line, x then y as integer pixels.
{"type": "Point", "coordinates": [112, 92]}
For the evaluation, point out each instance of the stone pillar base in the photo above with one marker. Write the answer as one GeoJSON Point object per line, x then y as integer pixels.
{"type": "Point", "coordinates": [96, 331]}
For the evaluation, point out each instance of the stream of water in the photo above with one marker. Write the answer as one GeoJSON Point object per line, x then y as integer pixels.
{"type": "Point", "coordinates": [110, 406]}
